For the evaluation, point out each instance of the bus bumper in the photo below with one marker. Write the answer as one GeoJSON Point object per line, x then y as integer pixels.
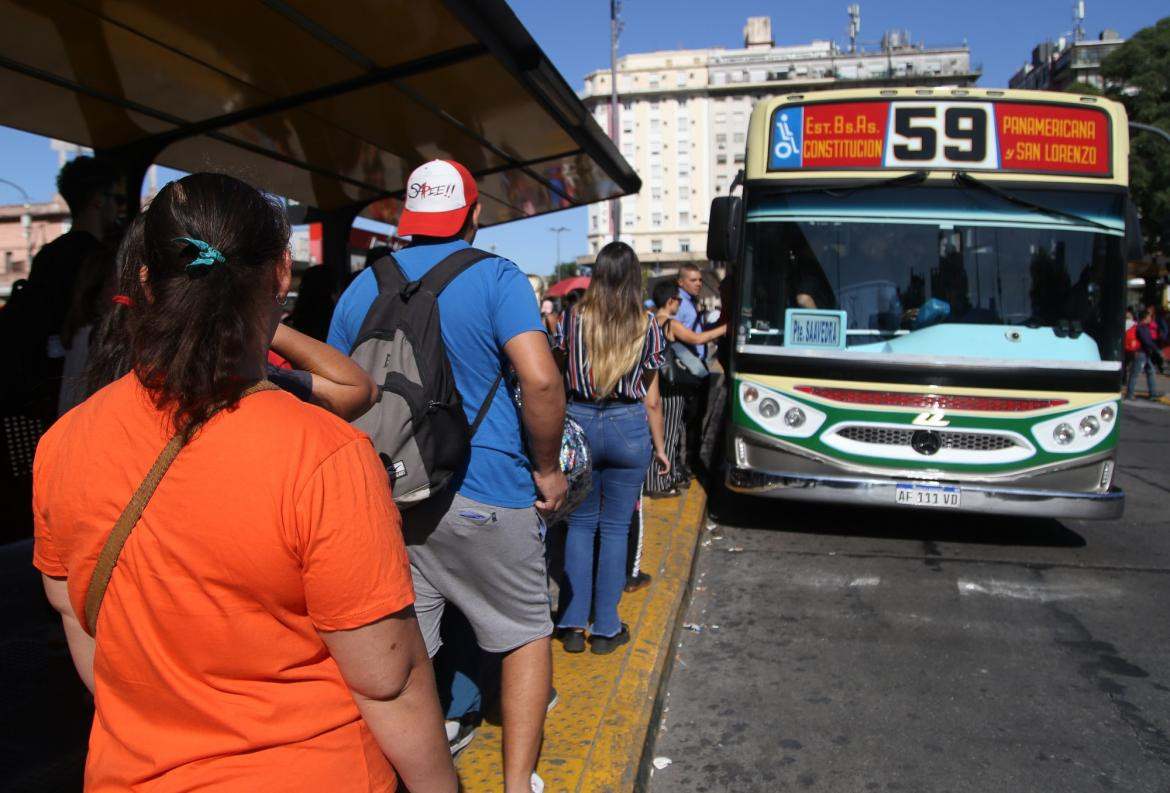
{"type": "Point", "coordinates": [981, 498]}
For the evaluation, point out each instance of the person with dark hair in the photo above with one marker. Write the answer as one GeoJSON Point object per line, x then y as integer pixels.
{"type": "Point", "coordinates": [479, 543]}
{"type": "Point", "coordinates": [257, 629]}
{"type": "Point", "coordinates": [666, 303]}
{"type": "Point", "coordinates": [316, 296]}
{"type": "Point", "coordinates": [612, 349]}
{"type": "Point", "coordinates": [1146, 353]}
{"type": "Point", "coordinates": [96, 209]}
{"type": "Point", "coordinates": [320, 374]}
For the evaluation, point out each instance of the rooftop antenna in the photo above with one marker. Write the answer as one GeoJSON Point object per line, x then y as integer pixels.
{"type": "Point", "coordinates": [1079, 21]}
{"type": "Point", "coordinates": [854, 25]}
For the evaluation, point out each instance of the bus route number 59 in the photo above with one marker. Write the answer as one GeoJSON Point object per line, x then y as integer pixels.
{"type": "Point", "coordinates": [943, 135]}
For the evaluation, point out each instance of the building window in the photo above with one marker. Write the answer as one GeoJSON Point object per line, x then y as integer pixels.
{"type": "Point", "coordinates": [721, 117]}
{"type": "Point", "coordinates": [684, 192]}
{"type": "Point", "coordinates": [721, 159]}
{"type": "Point", "coordinates": [655, 171]}
{"type": "Point", "coordinates": [596, 246]}
{"type": "Point", "coordinates": [684, 245]}
{"type": "Point", "coordinates": [656, 246]}
{"type": "Point", "coordinates": [684, 218]}
{"type": "Point", "coordinates": [654, 108]}
{"type": "Point", "coordinates": [593, 221]}
{"type": "Point", "coordinates": [721, 138]}
{"type": "Point", "coordinates": [684, 168]}
{"type": "Point", "coordinates": [739, 157]}
{"type": "Point", "coordinates": [737, 137]}
{"type": "Point", "coordinates": [656, 220]}
{"type": "Point", "coordinates": [654, 124]}
{"type": "Point", "coordinates": [680, 79]}
{"type": "Point", "coordinates": [655, 193]}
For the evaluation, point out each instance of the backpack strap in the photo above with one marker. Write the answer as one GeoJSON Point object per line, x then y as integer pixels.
{"type": "Point", "coordinates": [442, 274]}
{"type": "Point", "coordinates": [110, 552]}
{"type": "Point", "coordinates": [389, 275]}
{"type": "Point", "coordinates": [439, 278]}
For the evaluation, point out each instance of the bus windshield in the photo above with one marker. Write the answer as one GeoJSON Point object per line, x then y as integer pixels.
{"type": "Point", "coordinates": [944, 272]}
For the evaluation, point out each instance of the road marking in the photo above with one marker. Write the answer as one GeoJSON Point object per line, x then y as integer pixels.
{"type": "Point", "coordinates": [869, 580]}
{"type": "Point", "coordinates": [1041, 593]}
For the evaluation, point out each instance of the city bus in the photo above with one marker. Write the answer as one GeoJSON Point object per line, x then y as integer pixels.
{"type": "Point", "coordinates": [930, 296]}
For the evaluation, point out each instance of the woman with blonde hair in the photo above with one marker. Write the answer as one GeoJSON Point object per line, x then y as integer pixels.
{"type": "Point", "coordinates": [612, 350]}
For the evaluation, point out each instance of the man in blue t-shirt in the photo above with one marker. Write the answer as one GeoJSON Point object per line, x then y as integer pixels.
{"type": "Point", "coordinates": [479, 545]}
{"type": "Point", "coordinates": [690, 284]}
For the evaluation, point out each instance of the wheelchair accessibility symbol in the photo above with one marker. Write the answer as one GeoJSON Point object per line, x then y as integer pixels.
{"type": "Point", "coordinates": [786, 134]}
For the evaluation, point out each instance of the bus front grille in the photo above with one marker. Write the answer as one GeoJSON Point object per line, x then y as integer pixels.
{"type": "Point", "coordinates": [958, 441]}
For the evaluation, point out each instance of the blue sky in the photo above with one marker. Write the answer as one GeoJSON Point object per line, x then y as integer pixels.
{"type": "Point", "coordinates": [575, 36]}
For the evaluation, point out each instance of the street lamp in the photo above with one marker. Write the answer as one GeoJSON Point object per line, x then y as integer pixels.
{"type": "Point", "coordinates": [557, 230]}
{"type": "Point", "coordinates": [25, 224]}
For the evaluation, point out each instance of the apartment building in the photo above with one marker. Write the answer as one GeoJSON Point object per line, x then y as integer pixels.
{"type": "Point", "coordinates": [683, 116]}
{"type": "Point", "coordinates": [1056, 65]}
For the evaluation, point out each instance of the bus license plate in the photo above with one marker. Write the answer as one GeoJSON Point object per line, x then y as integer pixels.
{"type": "Point", "coordinates": [927, 496]}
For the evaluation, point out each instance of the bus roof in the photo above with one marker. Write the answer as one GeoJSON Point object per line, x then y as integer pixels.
{"type": "Point", "coordinates": [881, 133]}
{"type": "Point", "coordinates": [330, 104]}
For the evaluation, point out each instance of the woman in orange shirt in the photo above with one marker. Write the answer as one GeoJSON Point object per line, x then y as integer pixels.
{"type": "Point", "coordinates": [257, 632]}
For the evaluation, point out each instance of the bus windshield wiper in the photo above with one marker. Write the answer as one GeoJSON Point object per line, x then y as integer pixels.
{"type": "Point", "coordinates": [907, 179]}
{"type": "Point", "coordinates": [964, 179]}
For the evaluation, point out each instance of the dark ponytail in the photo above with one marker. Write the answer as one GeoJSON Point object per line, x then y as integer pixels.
{"type": "Point", "coordinates": [193, 328]}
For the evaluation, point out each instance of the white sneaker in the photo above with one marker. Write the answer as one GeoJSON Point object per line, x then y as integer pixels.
{"type": "Point", "coordinates": [537, 783]}
{"type": "Point", "coordinates": [459, 734]}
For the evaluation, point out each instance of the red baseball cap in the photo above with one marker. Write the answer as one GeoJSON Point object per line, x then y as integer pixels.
{"type": "Point", "coordinates": [439, 195]}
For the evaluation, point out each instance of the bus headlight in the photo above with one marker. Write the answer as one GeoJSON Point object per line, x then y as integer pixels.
{"type": "Point", "coordinates": [1090, 426]}
{"type": "Point", "coordinates": [776, 413]}
{"type": "Point", "coordinates": [1079, 431]}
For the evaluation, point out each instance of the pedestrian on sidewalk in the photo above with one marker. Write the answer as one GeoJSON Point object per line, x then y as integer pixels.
{"type": "Point", "coordinates": [689, 317]}
{"type": "Point", "coordinates": [256, 632]}
{"type": "Point", "coordinates": [666, 303]}
{"type": "Point", "coordinates": [1145, 355]}
{"type": "Point", "coordinates": [612, 349]}
{"type": "Point", "coordinates": [479, 543]}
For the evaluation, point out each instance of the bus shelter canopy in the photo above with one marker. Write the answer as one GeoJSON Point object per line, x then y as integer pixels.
{"type": "Point", "coordinates": [328, 103]}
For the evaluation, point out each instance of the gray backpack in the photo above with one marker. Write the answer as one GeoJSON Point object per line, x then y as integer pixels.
{"type": "Point", "coordinates": [418, 426]}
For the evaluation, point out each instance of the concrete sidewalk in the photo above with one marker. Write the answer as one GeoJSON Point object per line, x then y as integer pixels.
{"type": "Point", "coordinates": [594, 737]}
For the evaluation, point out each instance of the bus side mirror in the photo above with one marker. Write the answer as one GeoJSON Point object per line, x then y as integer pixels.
{"type": "Point", "coordinates": [1134, 249]}
{"type": "Point", "coordinates": [723, 228]}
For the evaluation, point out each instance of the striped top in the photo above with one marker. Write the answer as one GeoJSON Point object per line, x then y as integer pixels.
{"type": "Point", "coordinates": [570, 339]}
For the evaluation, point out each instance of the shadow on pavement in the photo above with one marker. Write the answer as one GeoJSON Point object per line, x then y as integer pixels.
{"type": "Point", "coordinates": [755, 512]}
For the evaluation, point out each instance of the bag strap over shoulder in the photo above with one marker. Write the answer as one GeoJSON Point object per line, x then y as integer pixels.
{"type": "Point", "coordinates": [108, 558]}
{"type": "Point", "coordinates": [389, 275]}
{"type": "Point", "coordinates": [442, 274]}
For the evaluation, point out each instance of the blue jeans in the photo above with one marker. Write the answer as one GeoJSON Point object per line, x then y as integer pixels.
{"type": "Point", "coordinates": [619, 435]}
{"type": "Point", "coordinates": [1141, 363]}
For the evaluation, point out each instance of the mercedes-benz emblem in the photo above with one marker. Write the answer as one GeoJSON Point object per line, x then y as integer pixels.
{"type": "Point", "coordinates": [926, 442]}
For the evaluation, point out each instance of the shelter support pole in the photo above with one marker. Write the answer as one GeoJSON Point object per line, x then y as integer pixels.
{"type": "Point", "coordinates": [335, 228]}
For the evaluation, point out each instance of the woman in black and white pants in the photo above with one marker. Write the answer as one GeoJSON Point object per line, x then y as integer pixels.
{"type": "Point", "coordinates": [666, 302]}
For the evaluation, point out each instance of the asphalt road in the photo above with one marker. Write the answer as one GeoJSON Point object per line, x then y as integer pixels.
{"type": "Point", "coordinates": [846, 650]}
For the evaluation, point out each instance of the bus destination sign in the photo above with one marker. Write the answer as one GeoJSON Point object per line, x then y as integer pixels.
{"type": "Point", "coordinates": [1022, 137]}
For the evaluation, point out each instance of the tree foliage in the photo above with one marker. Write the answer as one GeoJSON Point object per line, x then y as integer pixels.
{"type": "Point", "coordinates": [1138, 75]}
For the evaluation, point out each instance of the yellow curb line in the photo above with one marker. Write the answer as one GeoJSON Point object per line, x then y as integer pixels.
{"type": "Point", "coordinates": [595, 737]}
